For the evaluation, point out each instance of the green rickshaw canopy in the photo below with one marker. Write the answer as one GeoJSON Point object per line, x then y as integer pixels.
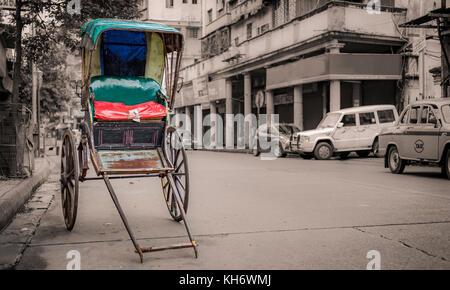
{"type": "Point", "coordinates": [92, 30]}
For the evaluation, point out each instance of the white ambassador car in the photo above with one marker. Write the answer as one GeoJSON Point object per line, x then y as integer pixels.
{"type": "Point", "coordinates": [341, 132]}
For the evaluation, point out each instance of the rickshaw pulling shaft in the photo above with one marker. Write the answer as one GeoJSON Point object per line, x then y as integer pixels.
{"type": "Point", "coordinates": [139, 250]}
{"type": "Point", "coordinates": [122, 216]}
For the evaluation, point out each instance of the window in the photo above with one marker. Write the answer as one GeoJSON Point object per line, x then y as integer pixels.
{"type": "Point", "coordinates": [169, 3]}
{"type": "Point", "coordinates": [414, 115]}
{"type": "Point", "coordinates": [192, 32]}
{"type": "Point", "coordinates": [185, 1]}
{"type": "Point", "coordinates": [286, 10]}
{"type": "Point", "coordinates": [405, 117]}
{"type": "Point", "coordinates": [386, 116]}
{"type": "Point", "coordinates": [367, 118]}
{"type": "Point", "coordinates": [424, 117]}
{"type": "Point", "coordinates": [428, 116]}
{"type": "Point", "coordinates": [210, 16]}
{"type": "Point", "coordinates": [263, 29]}
{"type": "Point", "coordinates": [349, 120]}
{"type": "Point", "coordinates": [220, 4]}
{"type": "Point", "coordinates": [194, 1]}
{"type": "Point", "coordinates": [249, 30]}
{"type": "Point", "coordinates": [446, 113]}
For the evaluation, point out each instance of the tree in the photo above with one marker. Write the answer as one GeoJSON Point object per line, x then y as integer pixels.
{"type": "Point", "coordinates": [52, 33]}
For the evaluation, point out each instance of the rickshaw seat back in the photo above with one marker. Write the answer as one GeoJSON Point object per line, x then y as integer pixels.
{"type": "Point", "coordinates": [127, 90]}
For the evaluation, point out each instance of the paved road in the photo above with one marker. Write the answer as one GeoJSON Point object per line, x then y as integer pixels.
{"type": "Point", "coordinates": [252, 214]}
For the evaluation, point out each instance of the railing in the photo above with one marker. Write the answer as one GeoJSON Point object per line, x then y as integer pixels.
{"type": "Point", "coordinates": [333, 16]}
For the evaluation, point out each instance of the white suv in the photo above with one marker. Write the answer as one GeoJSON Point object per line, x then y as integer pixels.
{"type": "Point", "coordinates": [347, 130]}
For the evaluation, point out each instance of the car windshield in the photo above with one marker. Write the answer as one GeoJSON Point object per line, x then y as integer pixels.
{"type": "Point", "coordinates": [329, 121]}
{"type": "Point", "coordinates": [446, 113]}
{"type": "Point", "coordinates": [289, 129]}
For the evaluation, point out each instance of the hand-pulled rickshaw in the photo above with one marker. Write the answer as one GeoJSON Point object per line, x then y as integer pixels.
{"type": "Point", "coordinates": [129, 82]}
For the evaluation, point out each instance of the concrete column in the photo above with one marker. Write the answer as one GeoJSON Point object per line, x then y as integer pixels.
{"type": "Point", "coordinates": [298, 106]}
{"type": "Point", "coordinates": [187, 120]}
{"type": "Point", "coordinates": [356, 94]}
{"type": "Point", "coordinates": [247, 104]}
{"type": "Point", "coordinates": [176, 117]}
{"type": "Point", "coordinates": [335, 95]}
{"type": "Point", "coordinates": [187, 125]}
{"type": "Point", "coordinates": [270, 109]}
{"type": "Point", "coordinates": [229, 129]}
{"type": "Point", "coordinates": [213, 122]}
{"type": "Point", "coordinates": [324, 100]}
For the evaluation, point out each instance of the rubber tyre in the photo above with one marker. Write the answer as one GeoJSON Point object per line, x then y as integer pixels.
{"type": "Point", "coordinates": [376, 148]}
{"type": "Point", "coordinates": [344, 155]}
{"type": "Point", "coordinates": [395, 163]}
{"type": "Point", "coordinates": [69, 180]}
{"type": "Point", "coordinates": [306, 156]}
{"type": "Point", "coordinates": [175, 153]}
{"type": "Point", "coordinates": [323, 151]}
{"type": "Point", "coordinates": [279, 152]}
{"type": "Point", "coordinates": [446, 165]}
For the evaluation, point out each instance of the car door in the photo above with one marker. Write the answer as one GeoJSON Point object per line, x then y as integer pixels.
{"type": "Point", "coordinates": [423, 136]}
{"type": "Point", "coordinates": [345, 134]}
{"type": "Point", "coordinates": [367, 130]}
{"type": "Point", "coordinates": [407, 143]}
{"type": "Point", "coordinates": [444, 121]}
{"type": "Point", "coordinates": [399, 136]}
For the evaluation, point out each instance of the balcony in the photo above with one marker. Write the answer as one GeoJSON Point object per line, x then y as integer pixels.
{"type": "Point", "coordinates": [334, 17]}
{"type": "Point", "coordinates": [242, 9]}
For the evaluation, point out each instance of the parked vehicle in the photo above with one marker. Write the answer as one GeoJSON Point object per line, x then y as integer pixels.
{"type": "Point", "coordinates": [126, 130]}
{"type": "Point", "coordinates": [283, 132]}
{"type": "Point", "coordinates": [422, 135]}
{"type": "Point", "coordinates": [344, 131]}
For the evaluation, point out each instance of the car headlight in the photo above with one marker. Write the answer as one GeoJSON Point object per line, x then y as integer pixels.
{"type": "Point", "coordinates": [304, 139]}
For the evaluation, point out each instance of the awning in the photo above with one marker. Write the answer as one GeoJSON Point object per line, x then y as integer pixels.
{"type": "Point", "coordinates": [430, 16]}
{"type": "Point", "coordinates": [343, 66]}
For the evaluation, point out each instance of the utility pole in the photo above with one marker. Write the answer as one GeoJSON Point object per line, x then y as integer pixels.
{"type": "Point", "coordinates": [445, 54]}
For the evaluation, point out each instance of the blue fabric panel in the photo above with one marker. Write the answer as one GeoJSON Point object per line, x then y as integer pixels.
{"type": "Point", "coordinates": [123, 53]}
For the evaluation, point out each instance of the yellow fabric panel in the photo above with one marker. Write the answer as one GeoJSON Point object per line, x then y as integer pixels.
{"type": "Point", "coordinates": [96, 69]}
{"type": "Point", "coordinates": [155, 57]}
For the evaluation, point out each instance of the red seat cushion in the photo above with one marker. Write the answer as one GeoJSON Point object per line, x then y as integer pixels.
{"type": "Point", "coordinates": [119, 111]}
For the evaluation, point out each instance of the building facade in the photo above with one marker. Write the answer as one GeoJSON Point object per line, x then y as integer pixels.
{"type": "Point", "coordinates": [184, 15]}
{"type": "Point", "coordinates": [307, 57]}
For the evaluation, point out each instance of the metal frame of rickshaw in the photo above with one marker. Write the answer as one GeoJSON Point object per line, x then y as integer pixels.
{"type": "Point", "coordinates": [74, 161]}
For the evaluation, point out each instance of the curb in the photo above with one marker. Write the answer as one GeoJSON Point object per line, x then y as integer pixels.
{"type": "Point", "coordinates": [15, 199]}
{"type": "Point", "coordinates": [243, 151]}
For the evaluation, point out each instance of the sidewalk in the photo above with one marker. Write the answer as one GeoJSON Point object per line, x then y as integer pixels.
{"type": "Point", "coordinates": [14, 193]}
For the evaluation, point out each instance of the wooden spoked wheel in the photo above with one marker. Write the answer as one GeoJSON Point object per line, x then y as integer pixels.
{"type": "Point", "coordinates": [176, 155]}
{"type": "Point", "coordinates": [69, 180]}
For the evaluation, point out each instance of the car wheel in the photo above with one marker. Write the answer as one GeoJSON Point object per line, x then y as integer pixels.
{"type": "Point", "coordinates": [446, 165]}
{"type": "Point", "coordinates": [344, 155]}
{"type": "Point", "coordinates": [323, 151]}
{"type": "Point", "coordinates": [376, 148]}
{"type": "Point", "coordinates": [363, 154]}
{"type": "Point", "coordinates": [306, 156]}
{"type": "Point", "coordinates": [396, 164]}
